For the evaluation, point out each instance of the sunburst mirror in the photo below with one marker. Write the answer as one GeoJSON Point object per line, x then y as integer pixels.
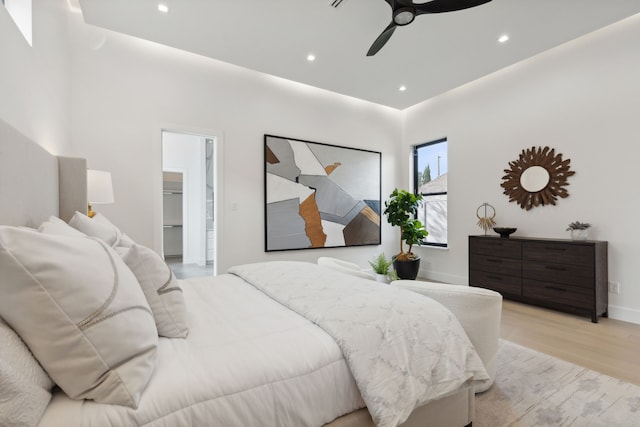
{"type": "Point", "coordinates": [537, 178]}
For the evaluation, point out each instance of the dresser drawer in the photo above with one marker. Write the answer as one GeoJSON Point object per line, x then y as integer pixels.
{"type": "Point", "coordinates": [558, 294]}
{"type": "Point", "coordinates": [493, 264]}
{"type": "Point", "coordinates": [506, 285]}
{"type": "Point", "coordinates": [577, 275]}
{"type": "Point", "coordinates": [563, 253]}
{"type": "Point", "coordinates": [498, 247]}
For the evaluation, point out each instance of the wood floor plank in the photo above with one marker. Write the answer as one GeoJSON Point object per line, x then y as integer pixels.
{"type": "Point", "coordinates": [610, 346]}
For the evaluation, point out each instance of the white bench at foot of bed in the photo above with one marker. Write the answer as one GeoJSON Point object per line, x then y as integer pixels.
{"type": "Point", "coordinates": [478, 310]}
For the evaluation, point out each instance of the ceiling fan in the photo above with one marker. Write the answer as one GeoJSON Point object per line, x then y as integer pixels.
{"type": "Point", "coordinates": [405, 11]}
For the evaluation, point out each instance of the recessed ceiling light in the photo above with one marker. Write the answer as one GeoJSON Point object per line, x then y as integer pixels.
{"type": "Point", "coordinates": [503, 38]}
{"type": "Point", "coordinates": [163, 8]}
{"type": "Point", "coordinates": [402, 88]}
{"type": "Point", "coordinates": [311, 57]}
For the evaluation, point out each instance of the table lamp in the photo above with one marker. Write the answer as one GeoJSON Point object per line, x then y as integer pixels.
{"type": "Point", "coordinates": [99, 189]}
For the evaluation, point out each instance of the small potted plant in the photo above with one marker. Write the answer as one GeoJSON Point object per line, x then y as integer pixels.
{"type": "Point", "coordinates": [381, 267]}
{"type": "Point", "coordinates": [392, 275]}
{"type": "Point", "coordinates": [400, 210]}
{"type": "Point", "coordinates": [579, 230]}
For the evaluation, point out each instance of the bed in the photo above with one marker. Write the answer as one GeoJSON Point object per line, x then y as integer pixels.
{"type": "Point", "coordinates": [251, 357]}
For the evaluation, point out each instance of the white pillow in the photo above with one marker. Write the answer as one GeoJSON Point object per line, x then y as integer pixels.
{"type": "Point", "coordinates": [80, 310]}
{"type": "Point", "coordinates": [92, 228]}
{"type": "Point", "coordinates": [25, 388]}
{"type": "Point", "coordinates": [161, 288]}
{"type": "Point", "coordinates": [344, 267]}
{"type": "Point", "coordinates": [124, 240]}
{"type": "Point", "coordinates": [55, 225]}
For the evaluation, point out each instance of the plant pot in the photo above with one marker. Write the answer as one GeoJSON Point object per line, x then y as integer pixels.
{"type": "Point", "coordinates": [382, 278]}
{"type": "Point", "coordinates": [407, 270]}
{"type": "Point", "coordinates": [578, 234]}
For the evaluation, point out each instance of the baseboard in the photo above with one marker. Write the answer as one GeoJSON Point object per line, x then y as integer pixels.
{"type": "Point", "coordinates": [444, 278]}
{"type": "Point", "coordinates": [625, 314]}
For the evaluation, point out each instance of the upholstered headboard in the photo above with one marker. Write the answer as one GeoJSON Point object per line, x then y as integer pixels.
{"type": "Point", "coordinates": [35, 184]}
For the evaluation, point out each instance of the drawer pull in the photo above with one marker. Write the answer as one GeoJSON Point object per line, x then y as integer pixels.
{"type": "Point", "coordinates": [497, 261]}
{"type": "Point", "coordinates": [495, 277]}
{"type": "Point", "coordinates": [556, 288]}
{"type": "Point", "coordinates": [555, 248]}
{"type": "Point", "coordinates": [553, 267]}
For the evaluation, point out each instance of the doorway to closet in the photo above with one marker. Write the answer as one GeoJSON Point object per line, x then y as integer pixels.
{"type": "Point", "coordinates": [188, 211]}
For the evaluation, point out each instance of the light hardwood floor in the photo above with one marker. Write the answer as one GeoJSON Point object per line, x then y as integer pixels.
{"type": "Point", "coordinates": [611, 347]}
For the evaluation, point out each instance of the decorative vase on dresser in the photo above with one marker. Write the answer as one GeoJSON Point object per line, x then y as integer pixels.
{"type": "Point", "coordinates": [566, 275]}
{"type": "Point", "coordinates": [579, 234]}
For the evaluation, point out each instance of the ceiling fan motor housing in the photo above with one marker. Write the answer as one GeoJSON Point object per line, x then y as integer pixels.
{"type": "Point", "coordinates": [404, 16]}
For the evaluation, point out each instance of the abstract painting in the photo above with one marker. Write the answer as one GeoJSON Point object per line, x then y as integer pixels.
{"type": "Point", "coordinates": [320, 195]}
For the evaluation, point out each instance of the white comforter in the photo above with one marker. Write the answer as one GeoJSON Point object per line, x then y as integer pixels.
{"type": "Point", "coordinates": [404, 350]}
{"type": "Point", "coordinates": [248, 361]}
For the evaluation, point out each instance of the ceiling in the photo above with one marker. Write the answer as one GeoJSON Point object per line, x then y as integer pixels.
{"type": "Point", "coordinates": [430, 56]}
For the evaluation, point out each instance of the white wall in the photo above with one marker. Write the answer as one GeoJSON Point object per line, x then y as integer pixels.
{"type": "Point", "coordinates": [35, 81]}
{"type": "Point", "coordinates": [583, 99]}
{"type": "Point", "coordinates": [127, 90]}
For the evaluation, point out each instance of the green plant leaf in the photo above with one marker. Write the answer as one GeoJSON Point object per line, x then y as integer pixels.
{"type": "Point", "coordinates": [380, 265]}
{"type": "Point", "coordinates": [400, 209]}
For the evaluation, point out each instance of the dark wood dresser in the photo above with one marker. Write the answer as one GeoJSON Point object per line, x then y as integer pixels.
{"type": "Point", "coordinates": [564, 275]}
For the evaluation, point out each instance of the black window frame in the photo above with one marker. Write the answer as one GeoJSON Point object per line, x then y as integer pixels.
{"type": "Point", "coordinates": [416, 186]}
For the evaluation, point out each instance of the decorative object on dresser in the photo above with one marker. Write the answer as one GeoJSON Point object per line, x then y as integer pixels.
{"type": "Point", "coordinates": [537, 178]}
{"type": "Point", "coordinates": [401, 209]}
{"type": "Point", "coordinates": [486, 222]}
{"type": "Point", "coordinates": [505, 232]}
{"type": "Point", "coordinates": [559, 274]}
{"type": "Point", "coordinates": [579, 230]}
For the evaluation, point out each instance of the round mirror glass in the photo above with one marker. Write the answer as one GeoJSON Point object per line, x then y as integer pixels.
{"type": "Point", "coordinates": [534, 179]}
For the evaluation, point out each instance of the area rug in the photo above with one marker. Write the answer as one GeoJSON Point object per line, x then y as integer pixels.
{"type": "Point", "coordinates": [534, 389]}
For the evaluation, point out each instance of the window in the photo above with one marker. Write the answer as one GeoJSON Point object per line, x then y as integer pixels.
{"type": "Point", "coordinates": [430, 180]}
{"type": "Point", "coordinates": [20, 11]}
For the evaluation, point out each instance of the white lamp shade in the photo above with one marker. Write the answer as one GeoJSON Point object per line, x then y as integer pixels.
{"type": "Point", "coordinates": [99, 187]}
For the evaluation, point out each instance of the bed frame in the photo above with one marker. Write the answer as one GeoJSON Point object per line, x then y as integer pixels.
{"type": "Point", "coordinates": [35, 184]}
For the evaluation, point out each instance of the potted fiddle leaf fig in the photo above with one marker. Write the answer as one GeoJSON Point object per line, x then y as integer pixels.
{"type": "Point", "coordinates": [401, 209]}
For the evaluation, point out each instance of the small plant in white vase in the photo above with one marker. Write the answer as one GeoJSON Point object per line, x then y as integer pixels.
{"type": "Point", "coordinates": [579, 230]}
{"type": "Point", "coordinates": [392, 275]}
{"type": "Point", "coordinates": [381, 266]}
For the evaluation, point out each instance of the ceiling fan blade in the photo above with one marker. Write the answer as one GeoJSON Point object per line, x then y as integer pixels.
{"type": "Point", "coordinates": [382, 39]}
{"type": "Point", "coordinates": [440, 6]}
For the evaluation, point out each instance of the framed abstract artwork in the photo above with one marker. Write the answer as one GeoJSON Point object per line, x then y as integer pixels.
{"type": "Point", "coordinates": [320, 195]}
